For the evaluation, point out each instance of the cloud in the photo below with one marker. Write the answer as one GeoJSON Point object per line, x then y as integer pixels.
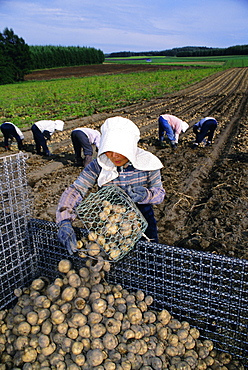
{"type": "Point", "coordinates": [137, 25]}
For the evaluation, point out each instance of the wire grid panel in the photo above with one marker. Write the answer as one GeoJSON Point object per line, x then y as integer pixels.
{"type": "Point", "coordinates": [113, 220]}
{"type": "Point", "coordinates": [15, 211]}
{"type": "Point", "coordinates": [209, 291]}
{"type": "Point", "coordinates": [43, 236]}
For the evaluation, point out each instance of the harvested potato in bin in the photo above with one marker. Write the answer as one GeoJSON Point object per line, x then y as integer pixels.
{"type": "Point", "coordinates": [113, 221]}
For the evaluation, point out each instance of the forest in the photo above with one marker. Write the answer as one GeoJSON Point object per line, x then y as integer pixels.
{"type": "Point", "coordinates": [187, 51]}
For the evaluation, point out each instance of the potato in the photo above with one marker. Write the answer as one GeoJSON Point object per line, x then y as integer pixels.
{"type": "Point", "coordinates": [74, 280]}
{"type": "Point", "coordinates": [84, 331]}
{"type": "Point", "coordinates": [57, 317]}
{"type": "Point", "coordinates": [98, 330]}
{"type": "Point", "coordinates": [64, 266]}
{"type": "Point", "coordinates": [78, 319]}
{"type": "Point", "coordinates": [99, 305]}
{"type": "Point", "coordinates": [134, 315]}
{"type": "Point", "coordinates": [32, 318]}
{"type": "Point", "coordinates": [46, 327]}
{"type": "Point", "coordinates": [92, 236]}
{"type": "Point", "coordinates": [53, 292]}
{"type": "Point", "coordinates": [113, 326]}
{"type": "Point", "coordinates": [29, 355]}
{"type": "Point", "coordinates": [68, 294]}
{"type": "Point", "coordinates": [21, 342]}
{"type": "Point", "coordinates": [93, 249]}
{"type": "Point", "coordinates": [38, 284]}
{"type": "Point", "coordinates": [24, 328]}
{"type": "Point", "coordinates": [79, 303]}
{"type": "Point", "coordinates": [95, 357]}
{"type": "Point", "coordinates": [43, 341]}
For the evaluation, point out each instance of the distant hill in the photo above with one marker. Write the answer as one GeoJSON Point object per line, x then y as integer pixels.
{"type": "Point", "coordinates": [186, 51]}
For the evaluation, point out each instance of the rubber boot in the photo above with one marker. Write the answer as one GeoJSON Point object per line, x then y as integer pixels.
{"type": "Point", "coordinates": [87, 160]}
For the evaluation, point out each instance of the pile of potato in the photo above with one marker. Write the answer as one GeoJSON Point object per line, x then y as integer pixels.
{"type": "Point", "coordinates": [79, 321]}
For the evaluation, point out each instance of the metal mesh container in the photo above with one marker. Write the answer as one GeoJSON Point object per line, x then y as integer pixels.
{"type": "Point", "coordinates": [113, 221]}
{"type": "Point", "coordinates": [16, 259]}
{"type": "Point", "coordinates": [209, 291]}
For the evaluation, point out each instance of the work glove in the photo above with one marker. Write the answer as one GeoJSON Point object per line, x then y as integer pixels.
{"type": "Point", "coordinates": [47, 134]}
{"type": "Point", "coordinates": [136, 193]}
{"type": "Point", "coordinates": [67, 236]}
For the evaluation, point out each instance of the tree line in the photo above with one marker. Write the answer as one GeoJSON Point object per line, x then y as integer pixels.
{"type": "Point", "coordinates": [186, 51]}
{"type": "Point", "coordinates": [60, 56]}
{"type": "Point", "coordinates": [18, 58]}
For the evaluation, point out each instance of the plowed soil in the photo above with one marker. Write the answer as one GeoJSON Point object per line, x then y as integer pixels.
{"type": "Point", "coordinates": [207, 198]}
{"type": "Point", "coordinates": [95, 70]}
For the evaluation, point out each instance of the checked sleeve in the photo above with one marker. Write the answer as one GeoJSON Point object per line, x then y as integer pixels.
{"type": "Point", "coordinates": [68, 201]}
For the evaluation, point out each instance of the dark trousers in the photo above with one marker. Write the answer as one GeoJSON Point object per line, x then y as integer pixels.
{"type": "Point", "coordinates": [81, 141]}
{"type": "Point", "coordinates": [164, 127]}
{"type": "Point", "coordinates": [148, 213]}
{"type": "Point", "coordinates": [9, 132]}
{"type": "Point", "coordinates": [40, 140]}
{"type": "Point", "coordinates": [207, 129]}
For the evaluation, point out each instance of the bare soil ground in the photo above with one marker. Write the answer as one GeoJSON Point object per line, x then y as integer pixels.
{"type": "Point", "coordinates": [207, 199]}
{"type": "Point", "coordinates": [95, 70]}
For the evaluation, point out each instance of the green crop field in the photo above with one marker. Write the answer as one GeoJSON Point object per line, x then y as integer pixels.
{"type": "Point", "coordinates": [225, 61]}
{"type": "Point", "coordinates": [27, 102]}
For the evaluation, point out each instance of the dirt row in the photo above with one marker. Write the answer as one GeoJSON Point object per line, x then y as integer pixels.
{"type": "Point", "coordinates": [206, 203]}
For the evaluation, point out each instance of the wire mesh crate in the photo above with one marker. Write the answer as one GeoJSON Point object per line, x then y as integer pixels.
{"type": "Point", "coordinates": [209, 291]}
{"type": "Point", "coordinates": [113, 221]}
{"type": "Point", "coordinates": [16, 259]}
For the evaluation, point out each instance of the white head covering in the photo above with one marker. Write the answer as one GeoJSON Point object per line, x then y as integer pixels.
{"type": "Point", "coordinates": [59, 125]}
{"type": "Point", "coordinates": [121, 135]}
{"type": "Point", "coordinates": [185, 126]}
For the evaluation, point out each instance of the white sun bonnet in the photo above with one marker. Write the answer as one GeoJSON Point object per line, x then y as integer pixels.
{"type": "Point", "coordinates": [121, 135]}
{"type": "Point", "coordinates": [59, 125]}
{"type": "Point", "coordinates": [185, 126]}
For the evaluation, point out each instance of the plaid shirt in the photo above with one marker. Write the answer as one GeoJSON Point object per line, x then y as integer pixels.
{"type": "Point", "coordinates": [73, 195]}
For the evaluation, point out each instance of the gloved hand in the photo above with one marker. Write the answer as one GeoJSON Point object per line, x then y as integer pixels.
{"type": "Point", "coordinates": [136, 193]}
{"type": "Point", "coordinates": [67, 236]}
{"type": "Point", "coordinates": [47, 134]}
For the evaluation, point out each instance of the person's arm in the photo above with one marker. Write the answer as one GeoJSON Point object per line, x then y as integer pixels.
{"type": "Point", "coordinates": [68, 202]}
{"type": "Point", "coordinates": [47, 134]}
{"type": "Point", "coordinates": [176, 138]}
{"type": "Point", "coordinates": [153, 193]}
{"type": "Point", "coordinates": [73, 195]}
{"type": "Point", "coordinates": [70, 198]}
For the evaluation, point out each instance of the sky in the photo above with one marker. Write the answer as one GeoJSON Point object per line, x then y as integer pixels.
{"type": "Point", "coordinates": [127, 25]}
